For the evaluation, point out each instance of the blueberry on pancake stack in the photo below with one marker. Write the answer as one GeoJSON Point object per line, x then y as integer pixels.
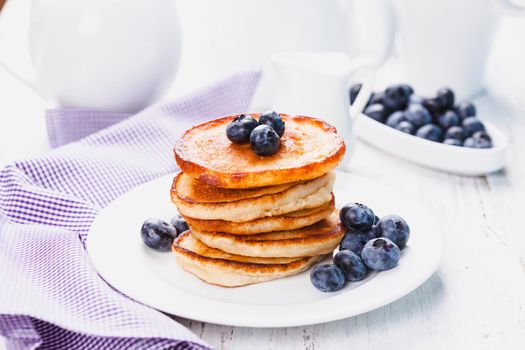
{"type": "Point", "coordinates": [256, 192]}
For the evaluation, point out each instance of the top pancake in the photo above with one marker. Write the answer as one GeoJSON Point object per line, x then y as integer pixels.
{"type": "Point", "coordinates": [309, 148]}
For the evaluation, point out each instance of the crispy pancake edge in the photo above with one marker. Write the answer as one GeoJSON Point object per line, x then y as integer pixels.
{"type": "Point", "coordinates": [260, 178]}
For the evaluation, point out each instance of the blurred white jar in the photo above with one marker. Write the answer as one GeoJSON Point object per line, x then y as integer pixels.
{"type": "Point", "coordinates": [447, 42]}
{"type": "Point", "coordinates": [238, 34]}
{"type": "Point", "coordinates": [111, 55]}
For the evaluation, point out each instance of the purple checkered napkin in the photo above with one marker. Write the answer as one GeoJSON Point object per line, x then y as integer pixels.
{"type": "Point", "coordinates": [50, 295]}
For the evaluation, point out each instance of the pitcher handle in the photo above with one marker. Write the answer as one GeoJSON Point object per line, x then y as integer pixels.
{"type": "Point", "coordinates": [368, 67]}
{"type": "Point", "coordinates": [369, 62]}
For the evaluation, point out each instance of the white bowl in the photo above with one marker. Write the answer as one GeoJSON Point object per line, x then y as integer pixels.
{"type": "Point", "coordinates": [453, 159]}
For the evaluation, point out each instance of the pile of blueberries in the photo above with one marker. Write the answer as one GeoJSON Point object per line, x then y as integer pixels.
{"type": "Point", "coordinates": [437, 119]}
{"type": "Point", "coordinates": [369, 243]}
{"type": "Point", "coordinates": [159, 235]}
{"type": "Point", "coordinates": [264, 135]}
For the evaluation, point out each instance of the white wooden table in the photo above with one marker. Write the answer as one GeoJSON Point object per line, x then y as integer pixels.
{"type": "Point", "coordinates": [476, 300]}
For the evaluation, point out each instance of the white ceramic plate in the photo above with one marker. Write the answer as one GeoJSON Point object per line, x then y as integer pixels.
{"type": "Point", "coordinates": [155, 279]}
{"type": "Point", "coordinates": [453, 159]}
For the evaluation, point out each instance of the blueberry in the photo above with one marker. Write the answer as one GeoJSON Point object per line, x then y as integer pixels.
{"type": "Point", "coordinates": [158, 234]}
{"type": "Point", "coordinates": [415, 99]}
{"type": "Point", "coordinates": [465, 109]}
{"type": "Point", "coordinates": [264, 140]}
{"type": "Point", "coordinates": [373, 232]}
{"type": "Point", "coordinates": [456, 133]}
{"type": "Point", "coordinates": [381, 254]}
{"type": "Point", "coordinates": [357, 216]}
{"type": "Point", "coordinates": [376, 111]}
{"type": "Point", "coordinates": [354, 91]}
{"type": "Point", "coordinates": [408, 89]}
{"type": "Point", "coordinates": [394, 228]}
{"type": "Point", "coordinates": [406, 127]}
{"type": "Point", "coordinates": [448, 119]}
{"type": "Point", "coordinates": [434, 106]}
{"type": "Point", "coordinates": [327, 277]}
{"type": "Point", "coordinates": [472, 142]}
{"type": "Point", "coordinates": [430, 132]}
{"type": "Point", "coordinates": [396, 97]}
{"type": "Point", "coordinates": [274, 120]}
{"type": "Point", "coordinates": [377, 97]}
{"type": "Point", "coordinates": [239, 130]}
{"type": "Point", "coordinates": [354, 241]}
{"type": "Point", "coordinates": [376, 219]}
{"type": "Point", "coordinates": [472, 125]}
{"type": "Point", "coordinates": [418, 115]}
{"type": "Point", "coordinates": [482, 135]}
{"type": "Point", "coordinates": [446, 97]}
{"type": "Point", "coordinates": [453, 142]}
{"type": "Point", "coordinates": [179, 223]}
{"type": "Point", "coordinates": [395, 118]}
{"type": "Point", "coordinates": [351, 265]}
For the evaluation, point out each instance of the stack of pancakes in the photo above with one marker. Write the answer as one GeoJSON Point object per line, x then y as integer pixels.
{"type": "Point", "coordinates": [252, 218]}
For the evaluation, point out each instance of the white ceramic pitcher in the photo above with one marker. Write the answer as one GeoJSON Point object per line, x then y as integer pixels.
{"type": "Point", "coordinates": [317, 85]}
{"type": "Point", "coordinates": [117, 55]}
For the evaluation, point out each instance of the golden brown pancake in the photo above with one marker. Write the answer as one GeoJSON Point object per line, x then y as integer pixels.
{"type": "Point", "coordinates": [191, 190]}
{"type": "Point", "coordinates": [320, 238]}
{"type": "Point", "coordinates": [304, 195]}
{"type": "Point", "coordinates": [309, 148]}
{"type": "Point", "coordinates": [215, 267]}
{"type": "Point", "coordinates": [286, 222]}
{"type": "Point", "coordinates": [189, 242]}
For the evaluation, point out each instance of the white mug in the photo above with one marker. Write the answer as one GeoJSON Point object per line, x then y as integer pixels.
{"type": "Point", "coordinates": [447, 42]}
{"type": "Point", "coordinates": [117, 55]}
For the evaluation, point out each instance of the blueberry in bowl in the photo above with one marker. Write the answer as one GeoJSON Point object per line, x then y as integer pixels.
{"type": "Point", "coordinates": [434, 106]}
{"type": "Point", "coordinates": [465, 109]}
{"type": "Point", "coordinates": [158, 234]}
{"type": "Point", "coordinates": [377, 97]}
{"type": "Point", "coordinates": [453, 142]}
{"type": "Point", "coordinates": [455, 133]}
{"type": "Point", "coordinates": [445, 97]}
{"type": "Point", "coordinates": [418, 115]}
{"type": "Point", "coordinates": [448, 119]}
{"type": "Point", "coordinates": [377, 112]}
{"type": "Point", "coordinates": [406, 127]}
{"type": "Point", "coordinates": [472, 125]}
{"type": "Point", "coordinates": [327, 277]}
{"type": "Point", "coordinates": [482, 135]}
{"type": "Point", "coordinates": [477, 142]}
{"type": "Point", "coordinates": [415, 99]}
{"type": "Point", "coordinates": [396, 118]}
{"type": "Point", "coordinates": [397, 96]}
{"type": "Point", "coordinates": [430, 132]}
